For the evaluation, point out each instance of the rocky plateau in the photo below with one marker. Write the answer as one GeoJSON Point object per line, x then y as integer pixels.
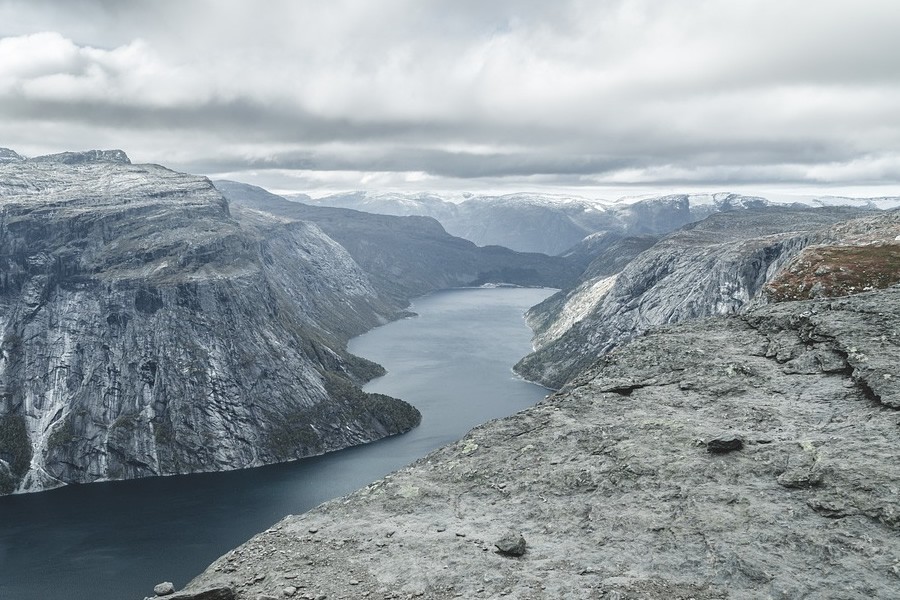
{"type": "Point", "coordinates": [743, 456]}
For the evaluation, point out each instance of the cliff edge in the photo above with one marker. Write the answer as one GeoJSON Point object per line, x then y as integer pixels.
{"type": "Point", "coordinates": [746, 456]}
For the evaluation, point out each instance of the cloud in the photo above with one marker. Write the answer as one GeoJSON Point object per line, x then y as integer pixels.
{"type": "Point", "coordinates": [623, 91]}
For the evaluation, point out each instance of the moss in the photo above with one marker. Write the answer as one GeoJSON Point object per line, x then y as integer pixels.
{"type": "Point", "coordinates": [163, 433]}
{"type": "Point", "coordinates": [15, 450]}
{"type": "Point", "coordinates": [829, 271]}
{"type": "Point", "coordinates": [293, 436]}
{"type": "Point", "coordinates": [127, 421]}
{"type": "Point", "coordinates": [62, 436]}
{"type": "Point", "coordinates": [394, 414]}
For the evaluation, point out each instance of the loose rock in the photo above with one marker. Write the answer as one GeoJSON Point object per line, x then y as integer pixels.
{"type": "Point", "coordinates": [724, 444]}
{"type": "Point", "coordinates": [800, 478]}
{"type": "Point", "coordinates": [511, 544]}
{"type": "Point", "coordinates": [164, 589]}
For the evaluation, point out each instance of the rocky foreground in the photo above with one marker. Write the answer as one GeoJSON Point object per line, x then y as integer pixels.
{"type": "Point", "coordinates": [750, 456]}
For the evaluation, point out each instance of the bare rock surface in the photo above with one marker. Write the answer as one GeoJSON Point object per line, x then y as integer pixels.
{"type": "Point", "coordinates": [164, 589]}
{"type": "Point", "coordinates": [218, 593]}
{"type": "Point", "coordinates": [147, 329]}
{"type": "Point", "coordinates": [610, 481]}
{"type": "Point", "coordinates": [718, 266]}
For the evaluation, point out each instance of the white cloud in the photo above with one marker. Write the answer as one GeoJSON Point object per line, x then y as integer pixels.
{"type": "Point", "coordinates": [605, 90]}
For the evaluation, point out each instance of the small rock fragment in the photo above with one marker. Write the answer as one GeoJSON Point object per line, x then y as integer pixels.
{"type": "Point", "coordinates": [800, 478]}
{"type": "Point", "coordinates": [724, 444]}
{"type": "Point", "coordinates": [511, 544]}
{"type": "Point", "coordinates": [164, 589]}
{"type": "Point", "coordinates": [289, 591]}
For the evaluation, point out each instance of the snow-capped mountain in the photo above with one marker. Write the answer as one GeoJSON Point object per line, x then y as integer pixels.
{"type": "Point", "coordinates": [554, 223]}
{"type": "Point", "coordinates": [547, 223]}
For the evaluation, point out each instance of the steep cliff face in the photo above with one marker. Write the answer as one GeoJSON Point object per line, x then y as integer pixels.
{"type": "Point", "coordinates": [148, 330]}
{"type": "Point", "coordinates": [714, 267]}
{"type": "Point", "coordinates": [605, 255]}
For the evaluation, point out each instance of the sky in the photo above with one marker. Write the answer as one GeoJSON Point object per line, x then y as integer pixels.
{"type": "Point", "coordinates": [596, 97]}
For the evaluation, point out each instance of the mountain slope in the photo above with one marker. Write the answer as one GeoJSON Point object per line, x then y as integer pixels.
{"type": "Point", "coordinates": [412, 255]}
{"type": "Point", "coordinates": [148, 330]}
{"type": "Point", "coordinates": [553, 224]}
{"type": "Point", "coordinates": [546, 223]}
{"type": "Point", "coordinates": [716, 266]}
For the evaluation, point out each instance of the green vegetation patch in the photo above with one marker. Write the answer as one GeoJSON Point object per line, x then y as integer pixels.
{"type": "Point", "coordinates": [830, 271]}
{"type": "Point", "coordinates": [163, 432]}
{"type": "Point", "coordinates": [15, 450]}
{"type": "Point", "coordinates": [394, 414]}
{"type": "Point", "coordinates": [126, 421]}
{"type": "Point", "coordinates": [293, 436]}
{"type": "Point", "coordinates": [62, 436]}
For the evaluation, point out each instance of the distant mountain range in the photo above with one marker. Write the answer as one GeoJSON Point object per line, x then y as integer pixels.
{"type": "Point", "coordinates": [554, 224]}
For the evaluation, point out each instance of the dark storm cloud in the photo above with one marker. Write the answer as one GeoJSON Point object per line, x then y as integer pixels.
{"type": "Point", "coordinates": [623, 91]}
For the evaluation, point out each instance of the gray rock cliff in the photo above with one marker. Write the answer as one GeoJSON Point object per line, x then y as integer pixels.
{"type": "Point", "coordinates": [7, 155]}
{"type": "Point", "coordinates": [148, 329]}
{"type": "Point", "coordinates": [714, 267]}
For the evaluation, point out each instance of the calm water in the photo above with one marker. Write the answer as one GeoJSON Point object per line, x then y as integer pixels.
{"type": "Point", "coordinates": [116, 540]}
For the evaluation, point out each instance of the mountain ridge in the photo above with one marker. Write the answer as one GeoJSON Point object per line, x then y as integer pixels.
{"type": "Point", "coordinates": [716, 266]}
{"type": "Point", "coordinates": [553, 224]}
{"type": "Point", "coordinates": [142, 317]}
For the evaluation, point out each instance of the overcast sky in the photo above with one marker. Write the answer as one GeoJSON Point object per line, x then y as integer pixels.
{"type": "Point", "coordinates": [592, 95]}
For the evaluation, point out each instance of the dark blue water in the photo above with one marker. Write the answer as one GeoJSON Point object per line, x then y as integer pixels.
{"type": "Point", "coordinates": [116, 540]}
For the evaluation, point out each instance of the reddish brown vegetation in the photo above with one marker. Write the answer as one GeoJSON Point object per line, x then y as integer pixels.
{"type": "Point", "coordinates": [828, 271]}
